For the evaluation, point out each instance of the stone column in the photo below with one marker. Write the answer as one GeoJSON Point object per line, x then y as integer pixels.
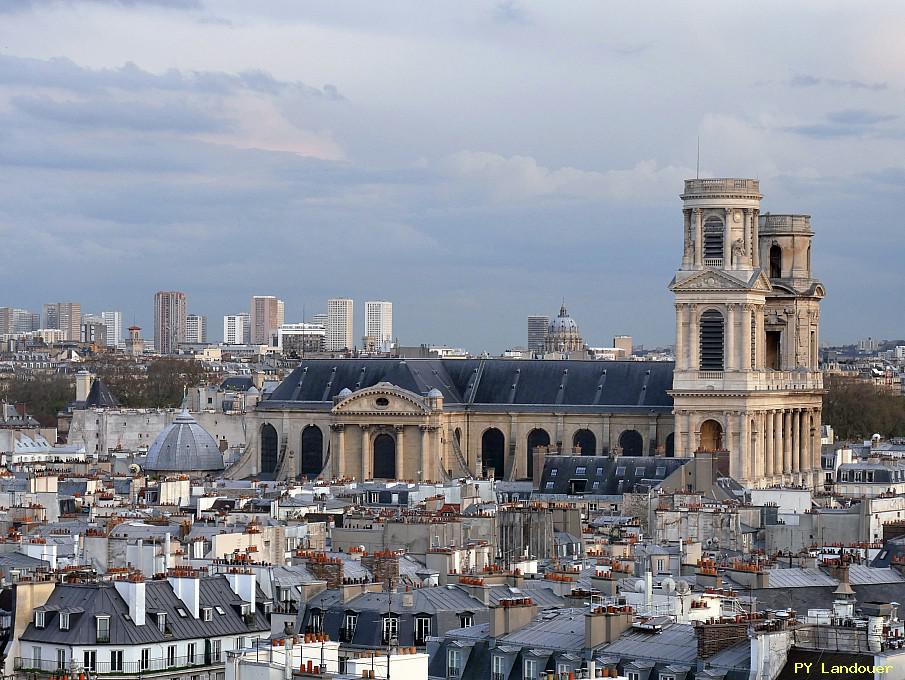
{"type": "Point", "coordinates": [605, 439]}
{"type": "Point", "coordinates": [365, 454]}
{"type": "Point", "coordinates": [680, 337]}
{"type": "Point", "coordinates": [734, 443]}
{"type": "Point", "coordinates": [731, 335]}
{"type": "Point", "coordinates": [746, 238]}
{"type": "Point", "coordinates": [755, 246]}
{"type": "Point", "coordinates": [339, 449]}
{"type": "Point", "coordinates": [745, 453]}
{"type": "Point", "coordinates": [796, 450]}
{"type": "Point", "coordinates": [688, 245]}
{"type": "Point", "coordinates": [777, 445]}
{"type": "Point", "coordinates": [769, 442]}
{"type": "Point", "coordinates": [787, 453]}
{"type": "Point", "coordinates": [400, 457]}
{"type": "Point", "coordinates": [698, 237]}
{"type": "Point", "coordinates": [425, 453]}
{"type": "Point", "coordinates": [694, 341]}
{"type": "Point", "coordinates": [745, 342]}
{"type": "Point", "coordinates": [436, 466]}
{"type": "Point", "coordinates": [815, 443]}
{"type": "Point", "coordinates": [761, 343]}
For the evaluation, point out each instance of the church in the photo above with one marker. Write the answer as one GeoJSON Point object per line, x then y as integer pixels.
{"type": "Point", "coordinates": [745, 382]}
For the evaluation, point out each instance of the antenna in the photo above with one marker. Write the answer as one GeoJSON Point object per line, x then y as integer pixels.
{"type": "Point", "coordinates": [697, 168]}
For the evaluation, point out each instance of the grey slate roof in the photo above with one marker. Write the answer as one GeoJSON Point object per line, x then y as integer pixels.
{"type": "Point", "coordinates": [103, 598]}
{"type": "Point", "coordinates": [100, 396]}
{"type": "Point", "coordinates": [675, 643]}
{"type": "Point", "coordinates": [590, 386]}
{"type": "Point", "coordinates": [613, 475]}
{"type": "Point", "coordinates": [184, 446]}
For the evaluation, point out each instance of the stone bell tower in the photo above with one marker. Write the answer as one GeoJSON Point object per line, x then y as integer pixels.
{"type": "Point", "coordinates": [746, 379]}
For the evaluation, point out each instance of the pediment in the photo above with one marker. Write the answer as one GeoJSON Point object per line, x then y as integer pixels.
{"type": "Point", "coordinates": [382, 398]}
{"type": "Point", "coordinates": [711, 279]}
{"type": "Point", "coordinates": [760, 282]}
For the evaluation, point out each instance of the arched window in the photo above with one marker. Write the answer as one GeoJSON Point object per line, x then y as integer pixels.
{"type": "Point", "coordinates": [585, 441]}
{"type": "Point", "coordinates": [711, 436]}
{"type": "Point", "coordinates": [775, 261]}
{"type": "Point", "coordinates": [493, 445]}
{"type": "Point", "coordinates": [713, 241]}
{"type": "Point", "coordinates": [384, 456]}
{"type": "Point", "coordinates": [712, 332]}
{"type": "Point", "coordinates": [670, 445]}
{"type": "Point", "coordinates": [312, 451]}
{"type": "Point", "coordinates": [631, 443]}
{"type": "Point", "coordinates": [537, 437]}
{"type": "Point", "coordinates": [269, 444]}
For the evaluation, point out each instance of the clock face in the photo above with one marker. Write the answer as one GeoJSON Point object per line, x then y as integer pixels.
{"type": "Point", "coordinates": [737, 216]}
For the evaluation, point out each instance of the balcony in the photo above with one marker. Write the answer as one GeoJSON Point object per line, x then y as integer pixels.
{"type": "Point", "coordinates": [749, 381]}
{"type": "Point", "coordinates": [127, 668]}
{"type": "Point", "coordinates": [715, 262]}
{"type": "Point", "coordinates": [721, 186]}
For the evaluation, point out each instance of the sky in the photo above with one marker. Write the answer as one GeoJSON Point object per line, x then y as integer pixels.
{"type": "Point", "coordinates": [473, 162]}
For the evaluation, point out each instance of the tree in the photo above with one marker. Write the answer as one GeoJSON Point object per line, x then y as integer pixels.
{"type": "Point", "coordinates": [857, 409]}
{"type": "Point", "coordinates": [43, 395]}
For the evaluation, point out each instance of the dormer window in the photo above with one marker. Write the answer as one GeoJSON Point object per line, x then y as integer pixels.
{"type": "Point", "coordinates": [39, 618]}
{"type": "Point", "coordinates": [64, 620]}
{"type": "Point", "coordinates": [162, 622]}
{"type": "Point", "coordinates": [103, 629]}
{"type": "Point", "coordinates": [207, 614]}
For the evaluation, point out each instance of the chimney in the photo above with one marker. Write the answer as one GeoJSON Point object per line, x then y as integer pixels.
{"type": "Point", "coordinates": [511, 614]}
{"type": "Point", "coordinates": [132, 590]}
{"type": "Point", "coordinates": [187, 587]}
{"type": "Point", "coordinates": [605, 624]}
{"type": "Point", "coordinates": [243, 585]}
{"type": "Point", "coordinates": [82, 385]}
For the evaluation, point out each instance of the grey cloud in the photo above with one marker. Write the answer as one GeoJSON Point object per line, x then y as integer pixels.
{"type": "Point", "coordinates": [176, 116]}
{"type": "Point", "coordinates": [65, 74]}
{"type": "Point", "coordinates": [510, 12]}
{"type": "Point", "coordinates": [805, 80]}
{"type": "Point", "coordinates": [847, 123]}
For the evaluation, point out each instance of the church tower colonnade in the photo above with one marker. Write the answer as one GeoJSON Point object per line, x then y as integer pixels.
{"type": "Point", "coordinates": [747, 322]}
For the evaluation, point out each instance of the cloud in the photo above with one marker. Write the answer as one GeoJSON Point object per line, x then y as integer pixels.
{"type": "Point", "coordinates": [805, 80]}
{"type": "Point", "coordinates": [846, 123]}
{"type": "Point", "coordinates": [10, 6]}
{"type": "Point", "coordinates": [510, 12]}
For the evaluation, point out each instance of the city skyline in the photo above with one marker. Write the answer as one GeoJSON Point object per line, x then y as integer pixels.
{"type": "Point", "coordinates": [294, 154]}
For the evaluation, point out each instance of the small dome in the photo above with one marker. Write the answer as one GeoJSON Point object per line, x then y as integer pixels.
{"type": "Point", "coordinates": [184, 446]}
{"type": "Point", "coordinates": [434, 393]}
{"type": "Point", "coordinates": [344, 392]}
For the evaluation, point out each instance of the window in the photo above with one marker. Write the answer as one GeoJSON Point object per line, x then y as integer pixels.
{"type": "Point", "coordinates": [667, 676]}
{"type": "Point", "coordinates": [39, 618]}
{"type": "Point", "coordinates": [711, 340]}
{"type": "Point", "coordinates": [215, 650]}
{"type": "Point", "coordinates": [103, 629]}
{"type": "Point", "coordinates": [596, 485]}
{"type": "Point", "coordinates": [64, 620]}
{"type": "Point", "coordinates": [453, 663]}
{"type": "Point", "coordinates": [61, 659]}
{"type": "Point", "coordinates": [529, 669]}
{"type": "Point", "coordinates": [219, 610]}
{"type": "Point", "coordinates": [422, 629]}
{"type": "Point", "coordinates": [162, 622]}
{"type": "Point", "coordinates": [466, 620]}
{"type": "Point", "coordinates": [36, 657]}
{"type": "Point", "coordinates": [562, 668]}
{"type": "Point", "coordinates": [580, 470]}
{"type": "Point", "coordinates": [349, 624]}
{"type": "Point", "coordinates": [632, 675]}
{"type": "Point", "coordinates": [713, 242]}
{"type": "Point", "coordinates": [181, 612]}
{"type": "Point", "coordinates": [390, 628]}
{"type": "Point", "coordinates": [553, 472]}
{"type": "Point", "coordinates": [116, 660]}
{"type": "Point", "coordinates": [191, 653]}
{"type": "Point", "coordinates": [268, 607]}
{"type": "Point", "coordinates": [620, 471]}
{"type": "Point", "coordinates": [497, 667]}
{"type": "Point", "coordinates": [316, 622]}
{"type": "Point", "coordinates": [639, 471]}
{"type": "Point", "coordinates": [145, 663]}
{"type": "Point", "coordinates": [599, 471]}
{"type": "Point", "coordinates": [90, 657]}
{"type": "Point", "coordinates": [246, 611]}
{"type": "Point", "coordinates": [171, 656]}
{"type": "Point", "coordinates": [548, 485]}
{"type": "Point", "coordinates": [240, 643]}
{"type": "Point", "coordinates": [775, 273]}
{"type": "Point", "coordinates": [207, 614]}
{"type": "Point", "coordinates": [661, 471]}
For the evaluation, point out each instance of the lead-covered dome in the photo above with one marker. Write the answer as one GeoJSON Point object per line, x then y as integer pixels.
{"type": "Point", "coordinates": [563, 323]}
{"type": "Point", "coordinates": [184, 446]}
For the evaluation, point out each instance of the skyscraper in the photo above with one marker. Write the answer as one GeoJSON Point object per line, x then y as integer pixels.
{"type": "Point", "coordinates": [237, 328]}
{"type": "Point", "coordinates": [196, 328]}
{"type": "Point", "coordinates": [114, 323]}
{"type": "Point", "coordinates": [266, 318]}
{"type": "Point", "coordinates": [537, 332]}
{"type": "Point", "coordinates": [66, 316]}
{"type": "Point", "coordinates": [339, 324]}
{"type": "Point", "coordinates": [379, 324]}
{"type": "Point", "coordinates": [14, 320]}
{"type": "Point", "coordinates": [169, 320]}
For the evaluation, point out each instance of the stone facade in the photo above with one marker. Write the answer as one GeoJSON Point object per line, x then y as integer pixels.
{"type": "Point", "coordinates": [747, 314]}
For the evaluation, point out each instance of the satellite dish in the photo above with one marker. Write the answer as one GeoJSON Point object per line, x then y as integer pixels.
{"type": "Point", "coordinates": [682, 587]}
{"type": "Point", "coordinates": [640, 586]}
{"type": "Point", "coordinates": [668, 585]}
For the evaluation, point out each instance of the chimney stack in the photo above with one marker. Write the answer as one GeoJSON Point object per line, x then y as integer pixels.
{"type": "Point", "coordinates": [511, 614]}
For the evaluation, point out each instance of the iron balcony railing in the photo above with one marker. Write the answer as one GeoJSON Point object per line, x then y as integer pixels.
{"type": "Point", "coordinates": [157, 665]}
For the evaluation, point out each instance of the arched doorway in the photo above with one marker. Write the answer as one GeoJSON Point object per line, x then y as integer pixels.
{"type": "Point", "coordinates": [384, 457]}
{"type": "Point", "coordinates": [269, 445]}
{"type": "Point", "coordinates": [312, 451]}
{"type": "Point", "coordinates": [670, 445]}
{"type": "Point", "coordinates": [711, 436]}
{"type": "Point", "coordinates": [537, 437]}
{"type": "Point", "coordinates": [585, 441]}
{"type": "Point", "coordinates": [632, 443]}
{"type": "Point", "coordinates": [493, 448]}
